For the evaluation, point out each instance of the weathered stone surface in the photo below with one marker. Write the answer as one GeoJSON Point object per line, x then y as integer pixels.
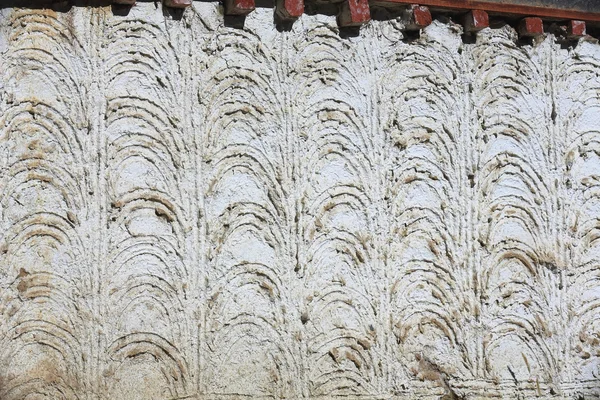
{"type": "Point", "coordinates": [195, 211]}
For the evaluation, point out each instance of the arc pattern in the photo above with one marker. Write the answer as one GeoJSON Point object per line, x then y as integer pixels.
{"type": "Point", "coordinates": [193, 210]}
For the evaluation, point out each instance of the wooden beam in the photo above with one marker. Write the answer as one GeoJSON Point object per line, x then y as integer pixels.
{"type": "Point", "coordinates": [586, 10]}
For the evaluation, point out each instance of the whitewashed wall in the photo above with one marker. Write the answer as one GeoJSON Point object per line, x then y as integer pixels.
{"type": "Point", "coordinates": [194, 211]}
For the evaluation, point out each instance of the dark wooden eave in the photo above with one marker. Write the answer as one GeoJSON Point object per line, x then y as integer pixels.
{"type": "Point", "coordinates": [528, 16]}
{"type": "Point", "coordinates": [586, 10]}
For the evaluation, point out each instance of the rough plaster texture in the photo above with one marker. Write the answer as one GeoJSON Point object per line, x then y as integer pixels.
{"type": "Point", "coordinates": [194, 211]}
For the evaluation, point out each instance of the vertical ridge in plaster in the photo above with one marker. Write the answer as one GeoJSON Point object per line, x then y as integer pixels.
{"type": "Point", "coordinates": [45, 277]}
{"type": "Point", "coordinates": [578, 110]}
{"type": "Point", "coordinates": [247, 206]}
{"type": "Point", "coordinates": [430, 293]}
{"type": "Point", "coordinates": [146, 278]}
{"type": "Point", "coordinates": [338, 266]}
{"type": "Point", "coordinates": [518, 275]}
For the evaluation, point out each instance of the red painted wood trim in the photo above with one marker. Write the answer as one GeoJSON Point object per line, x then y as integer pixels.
{"type": "Point", "coordinates": [354, 13]}
{"type": "Point", "coordinates": [289, 10]}
{"type": "Point", "coordinates": [476, 20]}
{"type": "Point", "coordinates": [576, 29]}
{"type": "Point", "coordinates": [239, 7]}
{"type": "Point", "coordinates": [531, 27]}
{"type": "Point", "coordinates": [511, 9]}
{"type": "Point", "coordinates": [178, 3]}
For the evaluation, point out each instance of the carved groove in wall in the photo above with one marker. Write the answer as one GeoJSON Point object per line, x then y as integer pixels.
{"type": "Point", "coordinates": [194, 211]}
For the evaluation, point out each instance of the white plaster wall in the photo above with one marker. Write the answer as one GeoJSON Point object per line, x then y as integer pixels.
{"type": "Point", "coordinates": [194, 211]}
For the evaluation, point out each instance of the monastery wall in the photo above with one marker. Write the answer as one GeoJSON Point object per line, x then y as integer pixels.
{"type": "Point", "coordinates": [190, 210]}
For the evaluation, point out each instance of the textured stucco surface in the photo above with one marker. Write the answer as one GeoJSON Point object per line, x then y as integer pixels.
{"type": "Point", "coordinates": [189, 210]}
